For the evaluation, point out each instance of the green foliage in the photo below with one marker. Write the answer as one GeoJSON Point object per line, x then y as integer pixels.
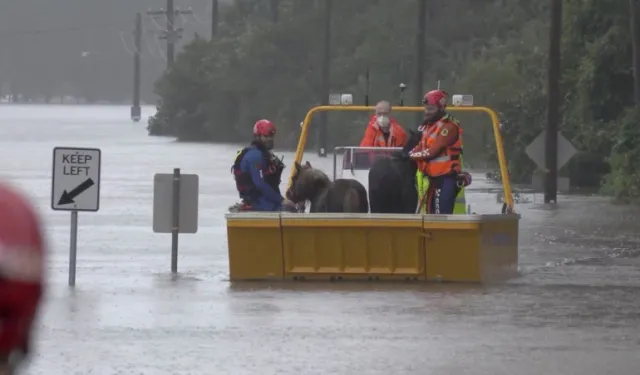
{"type": "Point", "coordinates": [495, 49]}
{"type": "Point", "coordinates": [624, 180]}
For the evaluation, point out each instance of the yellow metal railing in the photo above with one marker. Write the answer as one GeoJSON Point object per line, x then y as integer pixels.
{"type": "Point", "coordinates": [502, 161]}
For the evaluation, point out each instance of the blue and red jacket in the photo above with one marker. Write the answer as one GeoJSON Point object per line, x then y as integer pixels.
{"type": "Point", "coordinates": [258, 173]}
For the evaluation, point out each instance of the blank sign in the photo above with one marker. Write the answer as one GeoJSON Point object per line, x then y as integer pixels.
{"type": "Point", "coordinates": [163, 203]}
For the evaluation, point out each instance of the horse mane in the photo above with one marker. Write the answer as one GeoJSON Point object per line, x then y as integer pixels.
{"type": "Point", "coordinates": [314, 178]}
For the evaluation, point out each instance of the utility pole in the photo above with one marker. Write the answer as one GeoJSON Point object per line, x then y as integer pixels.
{"type": "Point", "coordinates": [275, 10]}
{"type": "Point", "coordinates": [214, 18]}
{"type": "Point", "coordinates": [634, 8]}
{"type": "Point", "coordinates": [553, 110]}
{"type": "Point", "coordinates": [420, 52]}
{"type": "Point", "coordinates": [326, 79]}
{"type": "Point", "coordinates": [171, 34]}
{"type": "Point", "coordinates": [135, 108]}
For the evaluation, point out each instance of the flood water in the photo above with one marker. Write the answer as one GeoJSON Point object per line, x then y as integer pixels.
{"type": "Point", "coordinates": [575, 309]}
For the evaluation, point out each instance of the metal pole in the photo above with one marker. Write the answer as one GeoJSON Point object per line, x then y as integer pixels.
{"type": "Point", "coordinates": [553, 94]}
{"type": "Point", "coordinates": [326, 77]}
{"type": "Point", "coordinates": [367, 88]}
{"type": "Point", "coordinates": [73, 248]}
{"type": "Point", "coordinates": [135, 108]}
{"type": "Point", "coordinates": [175, 230]}
{"type": "Point", "coordinates": [335, 163]}
{"type": "Point", "coordinates": [214, 18]}
{"type": "Point", "coordinates": [634, 9]}
{"type": "Point", "coordinates": [420, 55]}
{"type": "Point", "coordinates": [275, 10]}
{"type": "Point", "coordinates": [171, 33]}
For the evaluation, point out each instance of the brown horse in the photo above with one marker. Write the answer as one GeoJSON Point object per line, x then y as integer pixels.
{"type": "Point", "coordinates": [342, 195]}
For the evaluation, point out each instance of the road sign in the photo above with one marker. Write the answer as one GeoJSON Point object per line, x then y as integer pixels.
{"type": "Point", "coordinates": [75, 182]}
{"type": "Point", "coordinates": [536, 150]}
{"type": "Point", "coordinates": [163, 184]}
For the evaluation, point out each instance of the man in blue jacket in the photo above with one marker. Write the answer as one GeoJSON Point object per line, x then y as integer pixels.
{"type": "Point", "coordinates": [258, 172]}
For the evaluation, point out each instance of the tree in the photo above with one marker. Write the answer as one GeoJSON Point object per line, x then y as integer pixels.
{"type": "Point", "coordinates": [259, 68]}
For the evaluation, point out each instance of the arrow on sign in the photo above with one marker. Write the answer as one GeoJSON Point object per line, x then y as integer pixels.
{"type": "Point", "coordinates": [68, 197]}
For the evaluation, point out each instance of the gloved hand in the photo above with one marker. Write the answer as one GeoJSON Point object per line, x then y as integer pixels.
{"type": "Point", "coordinates": [419, 155]}
{"type": "Point", "coordinates": [464, 179]}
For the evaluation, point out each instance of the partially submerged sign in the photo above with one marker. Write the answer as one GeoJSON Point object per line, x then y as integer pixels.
{"type": "Point", "coordinates": [536, 150]}
{"type": "Point", "coordinates": [75, 182]}
{"type": "Point", "coordinates": [163, 199]}
{"type": "Point", "coordinates": [75, 186]}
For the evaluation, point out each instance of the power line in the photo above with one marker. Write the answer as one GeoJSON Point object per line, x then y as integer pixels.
{"type": "Point", "coordinates": [171, 34]}
{"type": "Point", "coordinates": [63, 29]}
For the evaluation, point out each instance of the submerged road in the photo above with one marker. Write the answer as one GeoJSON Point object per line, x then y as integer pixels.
{"type": "Point", "coordinates": [574, 310]}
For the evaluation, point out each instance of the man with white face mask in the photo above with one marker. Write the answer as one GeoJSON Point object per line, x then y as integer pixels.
{"type": "Point", "coordinates": [383, 130]}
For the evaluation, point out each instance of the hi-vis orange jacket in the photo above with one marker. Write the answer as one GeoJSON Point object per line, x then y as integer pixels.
{"type": "Point", "coordinates": [374, 137]}
{"type": "Point", "coordinates": [439, 151]}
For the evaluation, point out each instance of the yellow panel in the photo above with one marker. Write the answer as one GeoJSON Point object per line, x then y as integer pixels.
{"type": "Point", "coordinates": [350, 220]}
{"type": "Point", "coordinates": [453, 255]}
{"type": "Point", "coordinates": [450, 225]}
{"type": "Point", "coordinates": [255, 247]}
{"type": "Point", "coordinates": [254, 223]}
{"type": "Point", "coordinates": [500, 248]}
{"type": "Point", "coordinates": [358, 248]}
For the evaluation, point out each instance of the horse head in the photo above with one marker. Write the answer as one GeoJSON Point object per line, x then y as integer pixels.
{"type": "Point", "coordinates": [392, 182]}
{"type": "Point", "coordinates": [307, 183]}
{"type": "Point", "coordinates": [402, 157]}
{"type": "Point", "coordinates": [414, 138]}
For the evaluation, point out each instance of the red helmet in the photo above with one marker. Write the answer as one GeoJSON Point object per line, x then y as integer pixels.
{"type": "Point", "coordinates": [264, 128]}
{"type": "Point", "coordinates": [22, 268]}
{"type": "Point", "coordinates": [436, 97]}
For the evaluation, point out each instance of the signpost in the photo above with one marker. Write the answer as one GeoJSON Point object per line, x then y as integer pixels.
{"type": "Point", "coordinates": [536, 152]}
{"type": "Point", "coordinates": [175, 207]}
{"type": "Point", "coordinates": [75, 186]}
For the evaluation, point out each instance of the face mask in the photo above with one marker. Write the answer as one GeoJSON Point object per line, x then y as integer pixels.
{"type": "Point", "coordinates": [383, 121]}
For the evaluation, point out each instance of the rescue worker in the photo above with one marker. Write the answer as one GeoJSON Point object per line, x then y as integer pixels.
{"type": "Point", "coordinates": [258, 172]}
{"type": "Point", "coordinates": [22, 254]}
{"type": "Point", "coordinates": [382, 131]}
{"type": "Point", "coordinates": [439, 158]}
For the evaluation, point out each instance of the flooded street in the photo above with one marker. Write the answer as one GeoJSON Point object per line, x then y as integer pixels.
{"type": "Point", "coordinates": [574, 310]}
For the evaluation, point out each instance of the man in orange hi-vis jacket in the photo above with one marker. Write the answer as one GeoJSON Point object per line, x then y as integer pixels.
{"type": "Point", "coordinates": [383, 130]}
{"type": "Point", "coordinates": [439, 154]}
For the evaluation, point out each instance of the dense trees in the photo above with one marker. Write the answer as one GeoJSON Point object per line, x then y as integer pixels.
{"type": "Point", "coordinates": [268, 64]}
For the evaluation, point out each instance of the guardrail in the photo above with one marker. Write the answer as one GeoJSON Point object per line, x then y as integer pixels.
{"type": "Point", "coordinates": [383, 150]}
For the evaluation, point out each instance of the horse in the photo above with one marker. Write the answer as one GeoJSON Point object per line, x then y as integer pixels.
{"type": "Point", "coordinates": [392, 181]}
{"type": "Point", "coordinates": [341, 195]}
